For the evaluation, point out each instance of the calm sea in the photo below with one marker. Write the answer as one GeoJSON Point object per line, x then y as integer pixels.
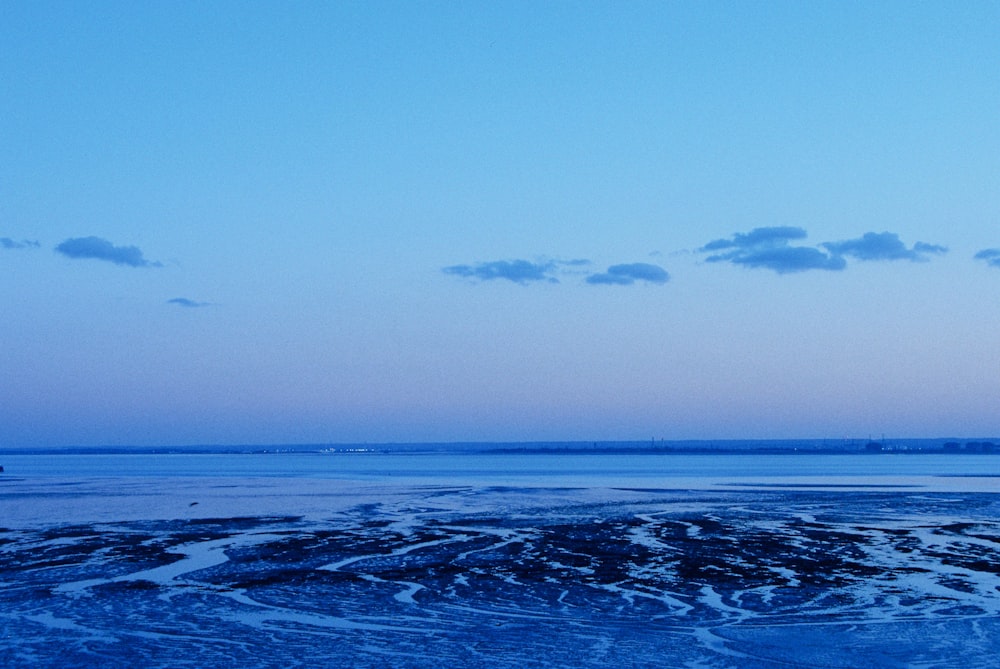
{"type": "Point", "coordinates": [499, 467]}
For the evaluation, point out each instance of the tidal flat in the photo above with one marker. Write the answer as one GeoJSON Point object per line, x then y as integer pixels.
{"type": "Point", "coordinates": [499, 576]}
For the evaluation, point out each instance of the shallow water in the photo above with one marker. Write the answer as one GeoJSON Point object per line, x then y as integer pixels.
{"type": "Point", "coordinates": [601, 467]}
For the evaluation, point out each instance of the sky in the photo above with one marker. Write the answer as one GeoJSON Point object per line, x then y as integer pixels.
{"type": "Point", "coordinates": [344, 222]}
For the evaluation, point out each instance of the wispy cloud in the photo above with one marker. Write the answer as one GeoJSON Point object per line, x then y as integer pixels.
{"type": "Point", "coordinates": [883, 246]}
{"type": "Point", "coordinates": [8, 243]}
{"type": "Point", "coordinates": [776, 236]}
{"type": "Point", "coordinates": [101, 249]}
{"type": "Point", "coordinates": [769, 248]}
{"type": "Point", "coordinates": [190, 304]}
{"type": "Point", "coordinates": [548, 271]}
{"type": "Point", "coordinates": [991, 256]}
{"type": "Point", "coordinates": [626, 275]}
{"type": "Point", "coordinates": [518, 271]}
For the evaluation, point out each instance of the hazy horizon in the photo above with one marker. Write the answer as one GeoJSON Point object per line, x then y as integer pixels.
{"type": "Point", "coordinates": [805, 446]}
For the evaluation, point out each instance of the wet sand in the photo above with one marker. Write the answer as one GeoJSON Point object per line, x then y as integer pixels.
{"type": "Point", "coordinates": [488, 576]}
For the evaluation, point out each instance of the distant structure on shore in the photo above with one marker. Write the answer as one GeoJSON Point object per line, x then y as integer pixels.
{"type": "Point", "coordinates": [970, 447]}
{"type": "Point", "coordinates": [946, 447]}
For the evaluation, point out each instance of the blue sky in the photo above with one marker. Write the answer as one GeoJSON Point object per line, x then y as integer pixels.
{"type": "Point", "coordinates": [434, 221]}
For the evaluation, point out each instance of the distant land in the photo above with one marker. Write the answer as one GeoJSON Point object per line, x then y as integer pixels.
{"type": "Point", "coordinates": [651, 446]}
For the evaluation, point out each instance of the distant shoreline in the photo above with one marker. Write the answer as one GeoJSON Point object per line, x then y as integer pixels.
{"type": "Point", "coordinates": [942, 446]}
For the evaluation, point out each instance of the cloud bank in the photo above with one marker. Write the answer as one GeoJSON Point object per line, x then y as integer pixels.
{"type": "Point", "coordinates": [97, 248]}
{"type": "Point", "coordinates": [771, 248]}
{"type": "Point", "coordinates": [991, 256]}
{"type": "Point", "coordinates": [626, 275]}
{"type": "Point", "coordinates": [8, 243]}
{"type": "Point", "coordinates": [189, 304]}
